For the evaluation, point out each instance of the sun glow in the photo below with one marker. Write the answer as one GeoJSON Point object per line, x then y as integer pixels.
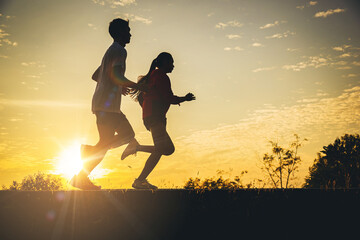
{"type": "Point", "coordinates": [69, 161]}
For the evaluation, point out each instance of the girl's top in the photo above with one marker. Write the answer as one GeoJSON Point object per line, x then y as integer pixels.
{"type": "Point", "coordinates": [157, 100]}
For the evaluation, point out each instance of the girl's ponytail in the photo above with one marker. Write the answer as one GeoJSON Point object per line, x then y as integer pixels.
{"type": "Point", "coordinates": [136, 94]}
{"type": "Point", "coordinates": [157, 62]}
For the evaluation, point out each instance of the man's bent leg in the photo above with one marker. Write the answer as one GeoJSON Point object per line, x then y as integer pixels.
{"type": "Point", "coordinates": [95, 154]}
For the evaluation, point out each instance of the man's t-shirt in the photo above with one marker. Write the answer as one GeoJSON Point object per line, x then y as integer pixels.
{"type": "Point", "coordinates": [107, 95]}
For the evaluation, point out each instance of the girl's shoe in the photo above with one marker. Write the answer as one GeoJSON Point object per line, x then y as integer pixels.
{"type": "Point", "coordinates": [143, 184]}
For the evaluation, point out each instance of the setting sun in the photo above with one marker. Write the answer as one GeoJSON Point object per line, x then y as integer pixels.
{"type": "Point", "coordinates": [69, 161]}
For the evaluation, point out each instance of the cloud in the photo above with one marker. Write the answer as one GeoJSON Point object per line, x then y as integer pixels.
{"type": "Point", "coordinates": [309, 4]}
{"type": "Point", "coordinates": [321, 94]}
{"type": "Point", "coordinates": [3, 34]}
{"type": "Point", "coordinates": [37, 64]}
{"type": "Point", "coordinates": [257, 45]}
{"type": "Point", "coordinates": [237, 48]}
{"type": "Point", "coordinates": [341, 48]}
{"type": "Point", "coordinates": [356, 63]}
{"type": "Point", "coordinates": [263, 69]}
{"type": "Point", "coordinates": [4, 56]}
{"type": "Point", "coordinates": [123, 2]}
{"type": "Point", "coordinates": [292, 49]}
{"type": "Point", "coordinates": [136, 18]}
{"type": "Point", "coordinates": [308, 100]}
{"type": "Point", "coordinates": [92, 26]}
{"type": "Point", "coordinates": [233, 36]}
{"type": "Point", "coordinates": [115, 3]}
{"type": "Point", "coordinates": [234, 23]}
{"type": "Point", "coordinates": [314, 61]}
{"type": "Point", "coordinates": [344, 68]}
{"type": "Point", "coordinates": [269, 25]}
{"type": "Point", "coordinates": [345, 55]}
{"type": "Point", "coordinates": [328, 13]}
{"type": "Point", "coordinates": [5, 40]}
{"type": "Point", "coordinates": [300, 7]}
{"type": "Point", "coordinates": [350, 75]}
{"type": "Point", "coordinates": [281, 35]}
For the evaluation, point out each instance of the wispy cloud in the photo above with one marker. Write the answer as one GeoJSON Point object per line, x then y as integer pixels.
{"type": "Point", "coordinates": [313, 61]}
{"type": "Point", "coordinates": [309, 4]}
{"type": "Point", "coordinates": [256, 44]}
{"type": "Point", "coordinates": [350, 75]}
{"type": "Point", "coordinates": [341, 48]}
{"type": "Point", "coordinates": [33, 63]}
{"type": "Point", "coordinates": [281, 35]}
{"type": "Point", "coordinates": [263, 69]}
{"type": "Point", "coordinates": [345, 55]}
{"type": "Point", "coordinates": [329, 12]}
{"type": "Point", "coordinates": [233, 36]}
{"type": "Point", "coordinates": [135, 18]}
{"type": "Point", "coordinates": [92, 26]}
{"type": "Point", "coordinates": [237, 48]}
{"type": "Point", "coordinates": [115, 3]}
{"type": "Point", "coordinates": [301, 7]}
{"type": "Point", "coordinates": [4, 36]}
{"type": "Point", "coordinates": [233, 23]}
{"type": "Point", "coordinates": [269, 25]}
{"type": "Point", "coordinates": [344, 68]}
{"type": "Point", "coordinates": [292, 49]}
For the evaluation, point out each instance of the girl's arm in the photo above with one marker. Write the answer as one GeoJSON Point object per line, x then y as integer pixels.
{"type": "Point", "coordinates": [165, 89]}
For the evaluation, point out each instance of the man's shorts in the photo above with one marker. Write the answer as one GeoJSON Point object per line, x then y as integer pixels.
{"type": "Point", "coordinates": [115, 121]}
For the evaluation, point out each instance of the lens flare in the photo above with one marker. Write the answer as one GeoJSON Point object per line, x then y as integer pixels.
{"type": "Point", "coordinates": [69, 161]}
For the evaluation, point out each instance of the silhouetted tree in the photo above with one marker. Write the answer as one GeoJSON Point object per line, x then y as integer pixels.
{"type": "Point", "coordinates": [281, 165]}
{"type": "Point", "coordinates": [337, 166]}
{"type": "Point", "coordinates": [37, 182]}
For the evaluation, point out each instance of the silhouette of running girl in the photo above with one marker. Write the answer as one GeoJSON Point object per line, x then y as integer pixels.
{"type": "Point", "coordinates": [155, 104]}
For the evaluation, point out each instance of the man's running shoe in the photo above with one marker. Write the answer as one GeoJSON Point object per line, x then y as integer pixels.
{"type": "Point", "coordinates": [143, 184]}
{"type": "Point", "coordinates": [83, 182]}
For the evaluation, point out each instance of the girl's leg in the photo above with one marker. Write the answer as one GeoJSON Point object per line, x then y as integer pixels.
{"type": "Point", "coordinates": [149, 165]}
{"type": "Point", "coordinates": [162, 146]}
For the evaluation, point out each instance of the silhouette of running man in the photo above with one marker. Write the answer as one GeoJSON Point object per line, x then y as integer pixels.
{"type": "Point", "coordinates": [113, 127]}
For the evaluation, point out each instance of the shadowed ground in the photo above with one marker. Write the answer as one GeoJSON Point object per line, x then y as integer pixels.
{"type": "Point", "coordinates": [179, 214]}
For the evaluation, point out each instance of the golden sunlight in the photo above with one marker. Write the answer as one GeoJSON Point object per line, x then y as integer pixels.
{"type": "Point", "coordinates": [69, 161]}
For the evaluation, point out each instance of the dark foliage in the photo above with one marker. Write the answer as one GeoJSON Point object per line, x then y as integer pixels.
{"type": "Point", "coordinates": [38, 182]}
{"type": "Point", "coordinates": [337, 166]}
{"type": "Point", "coordinates": [216, 183]}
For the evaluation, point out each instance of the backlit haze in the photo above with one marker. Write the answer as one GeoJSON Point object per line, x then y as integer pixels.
{"type": "Point", "coordinates": [260, 70]}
